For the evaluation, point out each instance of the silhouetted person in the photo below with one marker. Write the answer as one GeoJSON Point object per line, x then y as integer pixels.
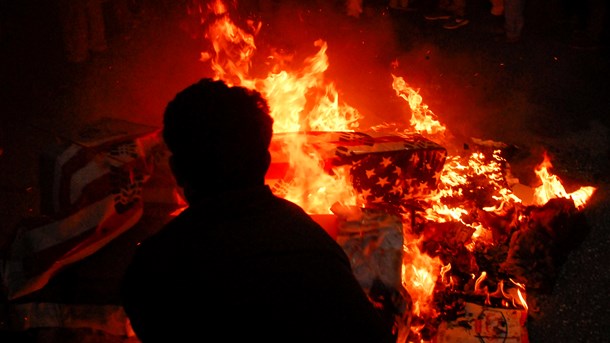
{"type": "Point", "coordinates": [239, 264]}
{"type": "Point", "coordinates": [512, 11]}
{"type": "Point", "coordinates": [590, 25]}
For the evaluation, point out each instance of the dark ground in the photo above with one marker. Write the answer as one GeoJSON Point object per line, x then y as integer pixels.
{"type": "Point", "coordinates": [538, 94]}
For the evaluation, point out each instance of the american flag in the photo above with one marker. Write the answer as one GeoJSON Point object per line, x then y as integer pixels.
{"type": "Point", "coordinates": [387, 169]}
{"type": "Point", "coordinates": [92, 193]}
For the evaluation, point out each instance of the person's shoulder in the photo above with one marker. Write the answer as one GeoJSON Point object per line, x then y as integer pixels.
{"type": "Point", "coordinates": [289, 206]}
{"type": "Point", "coordinates": [167, 238]}
{"type": "Point", "coordinates": [303, 228]}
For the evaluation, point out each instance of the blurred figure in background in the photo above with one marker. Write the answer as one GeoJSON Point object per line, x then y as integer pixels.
{"type": "Point", "coordinates": [590, 21]}
{"type": "Point", "coordinates": [513, 20]}
{"type": "Point", "coordinates": [512, 14]}
{"type": "Point", "coordinates": [83, 28]}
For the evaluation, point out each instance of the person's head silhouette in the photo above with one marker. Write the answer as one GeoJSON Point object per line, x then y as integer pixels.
{"type": "Point", "coordinates": [218, 136]}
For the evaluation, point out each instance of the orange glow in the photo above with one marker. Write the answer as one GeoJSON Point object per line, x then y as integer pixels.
{"type": "Point", "coordinates": [310, 185]}
{"type": "Point", "coordinates": [477, 285]}
{"type": "Point", "coordinates": [217, 6]}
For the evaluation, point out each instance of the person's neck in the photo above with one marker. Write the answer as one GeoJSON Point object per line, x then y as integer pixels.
{"type": "Point", "coordinates": [193, 195]}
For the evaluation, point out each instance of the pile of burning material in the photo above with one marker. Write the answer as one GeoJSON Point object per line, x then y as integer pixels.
{"type": "Point", "coordinates": [477, 243]}
{"type": "Point", "coordinates": [470, 245]}
{"type": "Point", "coordinates": [441, 239]}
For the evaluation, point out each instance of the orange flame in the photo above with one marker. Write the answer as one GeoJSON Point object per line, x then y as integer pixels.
{"type": "Point", "coordinates": [233, 49]}
{"type": "Point", "coordinates": [552, 187]}
{"type": "Point", "coordinates": [289, 94]}
{"type": "Point", "coordinates": [422, 120]}
{"type": "Point", "coordinates": [301, 101]}
{"type": "Point", "coordinates": [420, 273]}
{"type": "Point", "coordinates": [457, 175]}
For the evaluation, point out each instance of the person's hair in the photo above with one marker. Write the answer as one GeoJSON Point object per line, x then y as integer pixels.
{"type": "Point", "coordinates": [218, 135]}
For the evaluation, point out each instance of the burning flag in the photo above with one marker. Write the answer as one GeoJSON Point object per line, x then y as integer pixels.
{"type": "Point", "coordinates": [464, 230]}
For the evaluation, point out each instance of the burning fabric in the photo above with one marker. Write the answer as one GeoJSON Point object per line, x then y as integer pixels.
{"type": "Point", "coordinates": [541, 245]}
{"type": "Point", "coordinates": [432, 233]}
{"type": "Point", "coordinates": [386, 170]}
{"type": "Point", "coordinates": [476, 244]}
{"type": "Point", "coordinates": [373, 241]}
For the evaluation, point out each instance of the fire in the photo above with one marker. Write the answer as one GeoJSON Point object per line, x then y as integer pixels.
{"type": "Point", "coordinates": [422, 120]}
{"type": "Point", "coordinates": [299, 101]}
{"type": "Point", "coordinates": [232, 48]}
{"type": "Point", "coordinates": [305, 102]}
{"type": "Point", "coordinates": [472, 193]}
{"type": "Point", "coordinates": [290, 94]}
{"type": "Point", "coordinates": [420, 273]}
{"type": "Point", "coordinates": [552, 187]}
{"type": "Point", "coordinates": [315, 189]}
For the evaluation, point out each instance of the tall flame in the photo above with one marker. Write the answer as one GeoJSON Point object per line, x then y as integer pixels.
{"type": "Point", "coordinates": [422, 119]}
{"type": "Point", "coordinates": [299, 101]}
{"type": "Point", "coordinates": [420, 273]}
{"type": "Point", "coordinates": [290, 94]}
